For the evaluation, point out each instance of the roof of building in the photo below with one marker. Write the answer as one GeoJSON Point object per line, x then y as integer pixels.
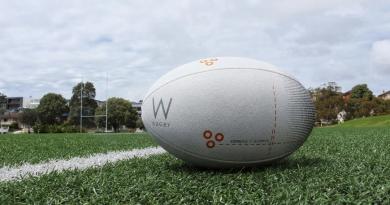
{"type": "Point", "coordinates": [14, 97]}
{"type": "Point", "coordinates": [139, 103]}
{"type": "Point", "coordinates": [10, 115]}
{"type": "Point", "coordinates": [347, 93]}
{"type": "Point", "coordinates": [384, 93]}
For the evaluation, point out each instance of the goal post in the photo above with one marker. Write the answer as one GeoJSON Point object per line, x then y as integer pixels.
{"type": "Point", "coordinates": [93, 116]}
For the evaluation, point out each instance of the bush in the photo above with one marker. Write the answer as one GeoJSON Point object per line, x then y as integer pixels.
{"type": "Point", "coordinates": [38, 128]}
{"type": "Point", "coordinates": [70, 129]}
{"type": "Point", "coordinates": [14, 126]}
{"type": "Point", "coordinates": [140, 124]}
{"type": "Point", "coordinates": [357, 108]}
{"type": "Point", "coordinates": [132, 130]}
{"type": "Point", "coordinates": [55, 129]}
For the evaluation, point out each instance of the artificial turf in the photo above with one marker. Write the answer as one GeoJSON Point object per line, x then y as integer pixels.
{"type": "Point", "coordinates": [34, 148]}
{"type": "Point", "coordinates": [335, 166]}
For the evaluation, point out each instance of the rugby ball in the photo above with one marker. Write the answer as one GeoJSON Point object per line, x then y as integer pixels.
{"type": "Point", "coordinates": [228, 112]}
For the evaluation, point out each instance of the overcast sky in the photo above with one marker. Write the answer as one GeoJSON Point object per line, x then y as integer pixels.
{"type": "Point", "coordinates": [49, 46]}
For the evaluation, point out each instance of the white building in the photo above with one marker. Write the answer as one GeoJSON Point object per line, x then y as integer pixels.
{"type": "Point", "coordinates": [137, 106]}
{"type": "Point", "coordinates": [31, 103]}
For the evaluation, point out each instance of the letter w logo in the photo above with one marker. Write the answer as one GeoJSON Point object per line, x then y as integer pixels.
{"type": "Point", "coordinates": [161, 104]}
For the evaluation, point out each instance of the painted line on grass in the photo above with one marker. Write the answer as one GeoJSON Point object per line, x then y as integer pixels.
{"type": "Point", "coordinates": [77, 163]}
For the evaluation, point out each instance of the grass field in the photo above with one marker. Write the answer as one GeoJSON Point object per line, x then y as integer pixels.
{"type": "Point", "coordinates": [335, 165]}
{"type": "Point", "coordinates": [16, 149]}
{"type": "Point", "coordinates": [377, 121]}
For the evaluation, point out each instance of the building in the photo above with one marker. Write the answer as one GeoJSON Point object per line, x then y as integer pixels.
{"type": "Point", "coordinates": [31, 103]}
{"type": "Point", "coordinates": [347, 96]}
{"type": "Point", "coordinates": [100, 103]}
{"type": "Point", "coordinates": [14, 103]}
{"type": "Point", "coordinates": [3, 102]}
{"type": "Point", "coordinates": [3, 106]}
{"type": "Point", "coordinates": [9, 118]}
{"type": "Point", "coordinates": [385, 95]}
{"type": "Point", "coordinates": [137, 106]}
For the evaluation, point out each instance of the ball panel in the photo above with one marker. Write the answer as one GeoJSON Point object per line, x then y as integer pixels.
{"type": "Point", "coordinates": [301, 111]}
{"type": "Point", "coordinates": [204, 65]}
{"type": "Point", "coordinates": [198, 160]}
{"type": "Point", "coordinates": [213, 109]}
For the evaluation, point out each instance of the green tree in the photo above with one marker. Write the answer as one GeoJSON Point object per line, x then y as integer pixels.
{"type": "Point", "coordinates": [52, 108]}
{"type": "Point", "coordinates": [89, 104]}
{"type": "Point", "coordinates": [328, 101]}
{"type": "Point", "coordinates": [383, 106]}
{"type": "Point", "coordinates": [361, 91]}
{"type": "Point", "coordinates": [360, 107]}
{"type": "Point", "coordinates": [29, 117]}
{"type": "Point", "coordinates": [3, 103]}
{"type": "Point", "coordinates": [362, 102]}
{"type": "Point", "coordinates": [2, 111]}
{"type": "Point", "coordinates": [120, 112]}
{"type": "Point", "coordinates": [140, 124]}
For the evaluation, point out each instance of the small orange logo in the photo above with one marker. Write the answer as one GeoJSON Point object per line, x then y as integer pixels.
{"type": "Point", "coordinates": [210, 144]}
{"type": "Point", "coordinates": [219, 137]}
{"type": "Point", "coordinates": [209, 62]}
{"type": "Point", "coordinates": [207, 135]}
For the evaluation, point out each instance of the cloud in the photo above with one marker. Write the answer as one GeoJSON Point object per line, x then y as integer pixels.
{"type": "Point", "coordinates": [380, 54]}
{"type": "Point", "coordinates": [48, 46]}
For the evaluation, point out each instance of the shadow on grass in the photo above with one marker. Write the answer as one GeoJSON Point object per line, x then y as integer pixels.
{"type": "Point", "coordinates": [284, 164]}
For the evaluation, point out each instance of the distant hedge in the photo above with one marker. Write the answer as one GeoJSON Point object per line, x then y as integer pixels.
{"type": "Point", "coordinates": [39, 128]}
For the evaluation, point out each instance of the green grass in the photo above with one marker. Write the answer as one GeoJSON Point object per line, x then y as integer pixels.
{"type": "Point", "coordinates": [335, 166]}
{"type": "Point", "coordinates": [377, 121]}
{"type": "Point", "coordinates": [34, 148]}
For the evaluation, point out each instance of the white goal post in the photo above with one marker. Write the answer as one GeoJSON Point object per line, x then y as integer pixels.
{"type": "Point", "coordinates": [94, 116]}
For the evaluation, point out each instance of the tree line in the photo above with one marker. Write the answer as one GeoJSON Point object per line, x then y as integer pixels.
{"type": "Point", "coordinates": [358, 102]}
{"type": "Point", "coordinates": [56, 114]}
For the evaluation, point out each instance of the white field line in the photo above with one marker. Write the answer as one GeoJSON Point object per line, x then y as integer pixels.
{"type": "Point", "coordinates": [80, 163]}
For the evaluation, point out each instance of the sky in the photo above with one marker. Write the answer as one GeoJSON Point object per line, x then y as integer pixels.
{"type": "Point", "coordinates": [50, 46]}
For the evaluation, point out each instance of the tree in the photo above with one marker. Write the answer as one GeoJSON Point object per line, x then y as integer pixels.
{"type": "Point", "coordinates": [3, 103]}
{"type": "Point", "coordinates": [361, 91]}
{"type": "Point", "coordinates": [140, 124]}
{"type": "Point", "coordinates": [52, 108]}
{"type": "Point", "coordinates": [89, 104]}
{"type": "Point", "coordinates": [29, 117]}
{"type": "Point", "coordinates": [332, 87]}
{"type": "Point", "coordinates": [383, 106]}
{"type": "Point", "coordinates": [120, 112]}
{"type": "Point", "coordinates": [328, 101]}
{"type": "Point", "coordinates": [2, 111]}
{"type": "Point", "coordinates": [359, 107]}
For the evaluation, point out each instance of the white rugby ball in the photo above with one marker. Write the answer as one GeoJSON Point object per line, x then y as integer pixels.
{"type": "Point", "coordinates": [228, 112]}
